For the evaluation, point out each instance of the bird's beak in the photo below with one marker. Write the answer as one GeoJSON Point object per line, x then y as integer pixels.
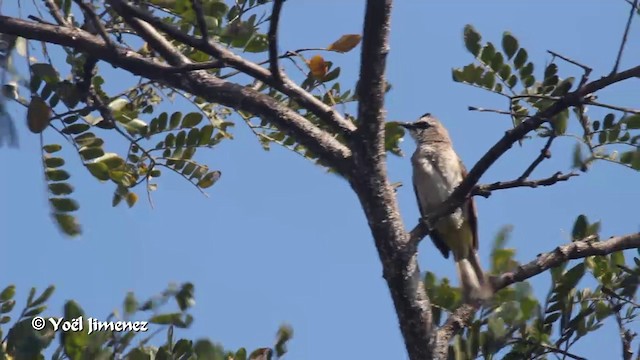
{"type": "Point", "coordinates": [405, 125]}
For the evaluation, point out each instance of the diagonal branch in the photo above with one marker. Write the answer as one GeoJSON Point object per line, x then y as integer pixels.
{"type": "Point", "coordinates": [55, 12]}
{"type": "Point", "coordinates": [575, 250]}
{"type": "Point", "coordinates": [273, 40]}
{"type": "Point", "coordinates": [544, 154]}
{"type": "Point", "coordinates": [155, 40]}
{"type": "Point", "coordinates": [510, 137]}
{"type": "Point", "coordinates": [623, 43]}
{"type": "Point", "coordinates": [330, 150]}
{"type": "Point", "coordinates": [202, 22]}
{"type": "Point", "coordinates": [485, 190]}
{"type": "Point", "coordinates": [327, 114]}
{"type": "Point", "coordinates": [92, 19]}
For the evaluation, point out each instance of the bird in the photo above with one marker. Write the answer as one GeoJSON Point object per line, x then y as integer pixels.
{"type": "Point", "coordinates": [437, 171]}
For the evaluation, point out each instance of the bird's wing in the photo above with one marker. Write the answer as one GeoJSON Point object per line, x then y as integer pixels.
{"type": "Point", "coordinates": [471, 212]}
{"type": "Point", "coordinates": [434, 235]}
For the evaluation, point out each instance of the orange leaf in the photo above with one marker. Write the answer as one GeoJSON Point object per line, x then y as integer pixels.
{"type": "Point", "coordinates": [345, 43]}
{"type": "Point", "coordinates": [318, 67]}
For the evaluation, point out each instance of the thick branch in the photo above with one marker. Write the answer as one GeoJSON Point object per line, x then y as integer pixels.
{"type": "Point", "coordinates": [302, 97]}
{"type": "Point", "coordinates": [372, 82]}
{"type": "Point", "coordinates": [575, 250]}
{"type": "Point", "coordinates": [370, 182]}
{"type": "Point", "coordinates": [201, 84]}
{"type": "Point", "coordinates": [511, 137]}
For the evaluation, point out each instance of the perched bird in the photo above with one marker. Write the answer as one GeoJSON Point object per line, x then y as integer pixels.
{"type": "Point", "coordinates": [437, 171]}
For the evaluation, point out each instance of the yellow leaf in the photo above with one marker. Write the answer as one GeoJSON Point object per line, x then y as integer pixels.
{"type": "Point", "coordinates": [318, 67]}
{"type": "Point", "coordinates": [38, 115]}
{"type": "Point", "coordinates": [345, 43]}
{"type": "Point", "coordinates": [132, 198]}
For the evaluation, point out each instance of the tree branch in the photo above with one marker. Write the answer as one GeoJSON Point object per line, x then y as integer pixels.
{"type": "Point", "coordinates": [575, 250]}
{"type": "Point", "coordinates": [201, 84]}
{"type": "Point", "coordinates": [485, 190]}
{"type": "Point", "coordinates": [511, 137]}
{"type": "Point", "coordinates": [544, 154]}
{"type": "Point", "coordinates": [273, 40]}
{"type": "Point", "coordinates": [55, 12]}
{"type": "Point", "coordinates": [370, 182]}
{"type": "Point", "coordinates": [623, 43]}
{"type": "Point", "coordinates": [202, 22]}
{"type": "Point", "coordinates": [328, 115]}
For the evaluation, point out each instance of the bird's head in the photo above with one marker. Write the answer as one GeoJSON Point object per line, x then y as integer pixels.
{"type": "Point", "coordinates": [426, 130]}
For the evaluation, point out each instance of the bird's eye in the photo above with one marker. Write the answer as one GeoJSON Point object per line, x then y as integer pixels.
{"type": "Point", "coordinates": [422, 125]}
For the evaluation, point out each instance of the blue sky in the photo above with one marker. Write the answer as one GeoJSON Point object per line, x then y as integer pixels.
{"type": "Point", "coordinates": [279, 240]}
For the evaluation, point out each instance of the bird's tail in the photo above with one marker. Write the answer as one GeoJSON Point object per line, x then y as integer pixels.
{"type": "Point", "coordinates": [476, 286]}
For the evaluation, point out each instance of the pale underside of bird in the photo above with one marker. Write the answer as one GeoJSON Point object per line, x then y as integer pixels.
{"type": "Point", "coordinates": [437, 171]}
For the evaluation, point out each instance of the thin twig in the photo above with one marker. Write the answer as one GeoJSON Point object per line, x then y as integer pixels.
{"type": "Point", "coordinates": [623, 43]}
{"type": "Point", "coordinates": [549, 348]}
{"type": "Point", "coordinates": [474, 108]}
{"type": "Point", "coordinates": [207, 65]}
{"type": "Point", "coordinates": [544, 154]}
{"type": "Point", "coordinates": [91, 19]}
{"type": "Point", "coordinates": [587, 69]}
{"type": "Point", "coordinates": [613, 107]}
{"type": "Point", "coordinates": [202, 22]}
{"type": "Point", "coordinates": [273, 40]}
{"type": "Point", "coordinates": [485, 190]}
{"type": "Point", "coordinates": [55, 12]}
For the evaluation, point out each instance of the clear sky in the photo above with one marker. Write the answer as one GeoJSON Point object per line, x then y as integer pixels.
{"type": "Point", "coordinates": [279, 240]}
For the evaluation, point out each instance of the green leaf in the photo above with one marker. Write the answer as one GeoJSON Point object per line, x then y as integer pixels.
{"type": "Point", "coordinates": [54, 162]}
{"type": "Point", "coordinates": [76, 128]}
{"type": "Point", "coordinates": [46, 72]}
{"type": "Point", "coordinates": [393, 135]}
{"type": "Point", "coordinates": [632, 121]}
{"type": "Point", "coordinates": [99, 170]}
{"type": "Point", "coordinates": [68, 224]}
{"type": "Point", "coordinates": [205, 134]}
{"type": "Point", "coordinates": [193, 137]}
{"type": "Point", "coordinates": [209, 179]}
{"type": "Point", "coordinates": [56, 175]}
{"type": "Point", "coordinates": [571, 278]}
{"type": "Point", "coordinates": [509, 44]}
{"type": "Point", "coordinates": [46, 294]}
{"type": "Point", "coordinates": [579, 231]}
{"type": "Point", "coordinates": [60, 188]}
{"type": "Point", "coordinates": [8, 293]}
{"type": "Point", "coordinates": [64, 204]}
{"type": "Point", "coordinates": [257, 44]}
{"type": "Point", "coordinates": [472, 39]}
{"type": "Point", "coordinates": [118, 104]}
{"type": "Point", "coordinates": [331, 75]}
{"type": "Point", "coordinates": [52, 148]}
{"type": "Point", "coordinates": [191, 120]}
{"type": "Point", "coordinates": [488, 53]}
{"type": "Point", "coordinates": [607, 123]}
{"type": "Point", "coordinates": [520, 59]}
{"type": "Point", "coordinates": [38, 115]}
{"type": "Point", "coordinates": [285, 333]}
{"type": "Point", "coordinates": [91, 153]}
